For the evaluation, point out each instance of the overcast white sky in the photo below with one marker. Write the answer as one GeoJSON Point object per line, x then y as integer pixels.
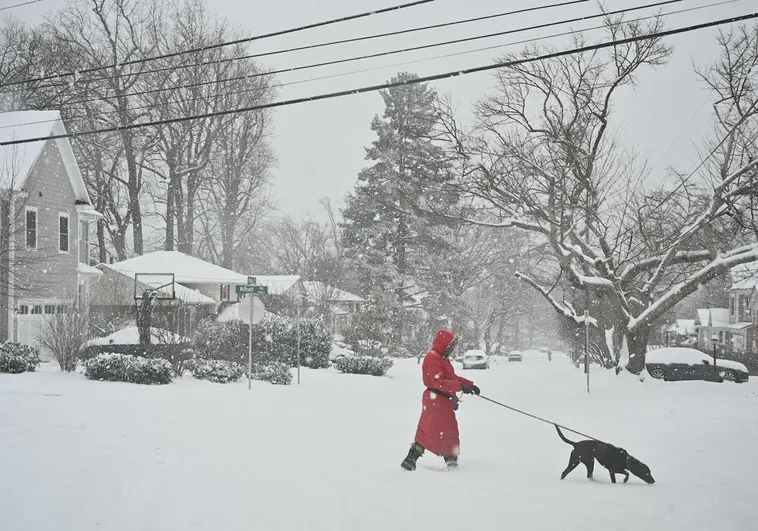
{"type": "Point", "coordinates": [320, 145]}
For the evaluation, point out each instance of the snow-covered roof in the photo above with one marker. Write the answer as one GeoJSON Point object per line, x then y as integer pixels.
{"type": "Point", "coordinates": [719, 317]}
{"type": "Point", "coordinates": [182, 293]}
{"type": "Point", "coordinates": [17, 160]}
{"type": "Point", "coordinates": [130, 336]}
{"type": "Point", "coordinates": [320, 291]}
{"type": "Point", "coordinates": [702, 316]}
{"type": "Point", "coordinates": [745, 276]}
{"type": "Point", "coordinates": [277, 284]}
{"type": "Point", "coordinates": [186, 269]}
{"type": "Point", "coordinates": [85, 269]}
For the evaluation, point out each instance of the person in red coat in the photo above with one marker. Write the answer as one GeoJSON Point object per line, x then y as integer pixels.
{"type": "Point", "coordinates": [438, 428]}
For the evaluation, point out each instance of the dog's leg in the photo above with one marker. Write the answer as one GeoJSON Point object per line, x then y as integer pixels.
{"type": "Point", "coordinates": [573, 463]}
{"type": "Point", "coordinates": [590, 464]}
{"type": "Point", "coordinates": [613, 476]}
{"type": "Point", "coordinates": [626, 476]}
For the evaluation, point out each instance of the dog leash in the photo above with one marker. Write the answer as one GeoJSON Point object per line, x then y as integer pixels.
{"type": "Point", "coordinates": [540, 418]}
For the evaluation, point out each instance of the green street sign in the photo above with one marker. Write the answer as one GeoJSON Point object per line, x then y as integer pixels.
{"type": "Point", "coordinates": [258, 290]}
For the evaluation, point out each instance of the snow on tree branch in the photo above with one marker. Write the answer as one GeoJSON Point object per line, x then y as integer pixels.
{"type": "Point", "coordinates": [561, 308]}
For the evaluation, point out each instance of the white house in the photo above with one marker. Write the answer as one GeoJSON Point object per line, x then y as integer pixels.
{"type": "Point", "coordinates": [46, 218]}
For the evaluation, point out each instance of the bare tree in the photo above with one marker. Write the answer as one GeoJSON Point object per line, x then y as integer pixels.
{"type": "Point", "coordinates": [92, 33]}
{"type": "Point", "coordinates": [543, 159]}
{"type": "Point", "coordinates": [65, 334]}
{"type": "Point", "coordinates": [733, 80]}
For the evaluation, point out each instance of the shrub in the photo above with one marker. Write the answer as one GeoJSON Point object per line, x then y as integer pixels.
{"type": "Point", "coordinates": [65, 333]}
{"type": "Point", "coordinates": [277, 373]}
{"type": "Point", "coordinates": [16, 358]}
{"type": "Point", "coordinates": [218, 371]}
{"type": "Point", "coordinates": [364, 365]}
{"type": "Point", "coordinates": [274, 340]}
{"type": "Point", "coordinates": [128, 368]}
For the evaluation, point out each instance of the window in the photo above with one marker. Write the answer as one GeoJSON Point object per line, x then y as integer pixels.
{"type": "Point", "coordinates": [731, 305]}
{"type": "Point", "coordinates": [225, 292]}
{"type": "Point", "coordinates": [31, 228]}
{"type": "Point", "coordinates": [63, 233]}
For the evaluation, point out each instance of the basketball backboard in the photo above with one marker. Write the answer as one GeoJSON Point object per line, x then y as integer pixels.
{"type": "Point", "coordinates": [162, 284]}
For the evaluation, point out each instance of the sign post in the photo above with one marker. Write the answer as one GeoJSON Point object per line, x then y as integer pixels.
{"type": "Point", "coordinates": [587, 347]}
{"type": "Point", "coordinates": [251, 303]}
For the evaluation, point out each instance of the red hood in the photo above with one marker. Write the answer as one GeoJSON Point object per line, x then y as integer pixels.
{"type": "Point", "coordinates": [441, 342]}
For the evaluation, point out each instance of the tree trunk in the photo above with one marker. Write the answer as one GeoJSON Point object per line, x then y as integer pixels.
{"type": "Point", "coordinates": [637, 344]}
{"type": "Point", "coordinates": [170, 214]}
{"type": "Point", "coordinates": [102, 250]}
{"type": "Point", "coordinates": [134, 190]}
{"type": "Point", "coordinates": [119, 243]}
{"type": "Point", "coordinates": [227, 241]}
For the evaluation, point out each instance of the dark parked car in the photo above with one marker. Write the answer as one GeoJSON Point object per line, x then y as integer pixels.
{"type": "Point", "coordinates": [681, 363]}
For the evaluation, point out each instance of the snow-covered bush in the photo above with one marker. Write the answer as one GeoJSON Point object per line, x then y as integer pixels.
{"type": "Point", "coordinates": [15, 358]}
{"type": "Point", "coordinates": [364, 365]}
{"type": "Point", "coordinates": [274, 340]}
{"type": "Point", "coordinates": [276, 372]}
{"type": "Point", "coordinates": [128, 368]}
{"type": "Point", "coordinates": [221, 341]}
{"type": "Point", "coordinates": [218, 371]}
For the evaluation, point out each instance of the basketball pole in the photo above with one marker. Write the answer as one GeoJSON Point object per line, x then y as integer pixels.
{"type": "Point", "coordinates": [250, 346]}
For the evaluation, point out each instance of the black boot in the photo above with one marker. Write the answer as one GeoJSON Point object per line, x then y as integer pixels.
{"type": "Point", "coordinates": [451, 461]}
{"type": "Point", "coordinates": [416, 451]}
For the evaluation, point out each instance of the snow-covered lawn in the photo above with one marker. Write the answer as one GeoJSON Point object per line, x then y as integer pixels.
{"type": "Point", "coordinates": [77, 455]}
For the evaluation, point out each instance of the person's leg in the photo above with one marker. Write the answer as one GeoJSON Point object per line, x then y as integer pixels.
{"type": "Point", "coordinates": [416, 451]}
{"type": "Point", "coordinates": [451, 461]}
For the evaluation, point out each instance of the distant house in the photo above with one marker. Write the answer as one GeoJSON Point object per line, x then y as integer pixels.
{"type": "Point", "coordinates": [201, 288]}
{"type": "Point", "coordinates": [713, 322]}
{"type": "Point", "coordinates": [333, 304]}
{"type": "Point", "coordinates": [741, 314]}
{"type": "Point", "coordinates": [47, 213]}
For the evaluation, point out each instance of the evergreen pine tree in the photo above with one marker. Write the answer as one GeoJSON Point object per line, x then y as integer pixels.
{"type": "Point", "coordinates": [385, 241]}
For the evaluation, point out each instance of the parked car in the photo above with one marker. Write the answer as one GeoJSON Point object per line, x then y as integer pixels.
{"type": "Point", "coordinates": [680, 363]}
{"type": "Point", "coordinates": [476, 359]}
{"type": "Point", "coordinates": [340, 350]}
{"type": "Point", "coordinates": [515, 355]}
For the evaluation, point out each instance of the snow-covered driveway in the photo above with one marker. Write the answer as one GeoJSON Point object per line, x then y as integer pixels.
{"type": "Point", "coordinates": [77, 455]}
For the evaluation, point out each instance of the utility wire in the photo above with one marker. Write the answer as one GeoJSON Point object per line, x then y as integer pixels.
{"type": "Point", "coordinates": [354, 39]}
{"type": "Point", "coordinates": [229, 43]}
{"type": "Point", "coordinates": [384, 86]}
{"type": "Point", "coordinates": [379, 54]}
{"type": "Point", "coordinates": [20, 5]}
{"type": "Point", "coordinates": [406, 63]}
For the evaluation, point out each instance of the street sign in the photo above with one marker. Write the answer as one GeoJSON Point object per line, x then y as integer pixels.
{"type": "Point", "coordinates": [258, 290]}
{"type": "Point", "coordinates": [254, 314]}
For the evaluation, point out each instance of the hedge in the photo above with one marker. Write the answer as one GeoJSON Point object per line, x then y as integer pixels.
{"type": "Point", "coordinates": [364, 365]}
{"type": "Point", "coordinates": [115, 367]}
{"type": "Point", "coordinates": [16, 358]}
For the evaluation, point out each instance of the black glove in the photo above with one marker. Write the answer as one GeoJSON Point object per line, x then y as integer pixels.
{"type": "Point", "coordinates": [473, 390]}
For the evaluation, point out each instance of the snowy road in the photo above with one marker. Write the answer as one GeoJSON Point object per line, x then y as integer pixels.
{"type": "Point", "coordinates": [78, 455]}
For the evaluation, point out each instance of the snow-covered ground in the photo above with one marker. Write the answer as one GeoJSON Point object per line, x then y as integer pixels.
{"type": "Point", "coordinates": [77, 455]}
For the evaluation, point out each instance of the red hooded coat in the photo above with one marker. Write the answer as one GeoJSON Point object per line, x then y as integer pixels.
{"type": "Point", "coordinates": [438, 428]}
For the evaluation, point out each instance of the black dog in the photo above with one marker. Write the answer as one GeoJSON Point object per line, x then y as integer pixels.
{"type": "Point", "coordinates": [615, 459]}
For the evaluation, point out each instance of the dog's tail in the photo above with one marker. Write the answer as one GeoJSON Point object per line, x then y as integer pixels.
{"type": "Point", "coordinates": [563, 437]}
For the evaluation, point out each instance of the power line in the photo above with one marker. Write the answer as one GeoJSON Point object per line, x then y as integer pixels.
{"type": "Point", "coordinates": [229, 43]}
{"type": "Point", "coordinates": [357, 39]}
{"type": "Point", "coordinates": [384, 86]}
{"type": "Point", "coordinates": [395, 65]}
{"type": "Point", "coordinates": [379, 54]}
{"type": "Point", "coordinates": [20, 5]}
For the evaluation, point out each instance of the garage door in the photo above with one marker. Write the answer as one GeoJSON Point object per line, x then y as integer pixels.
{"type": "Point", "coordinates": [31, 319]}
